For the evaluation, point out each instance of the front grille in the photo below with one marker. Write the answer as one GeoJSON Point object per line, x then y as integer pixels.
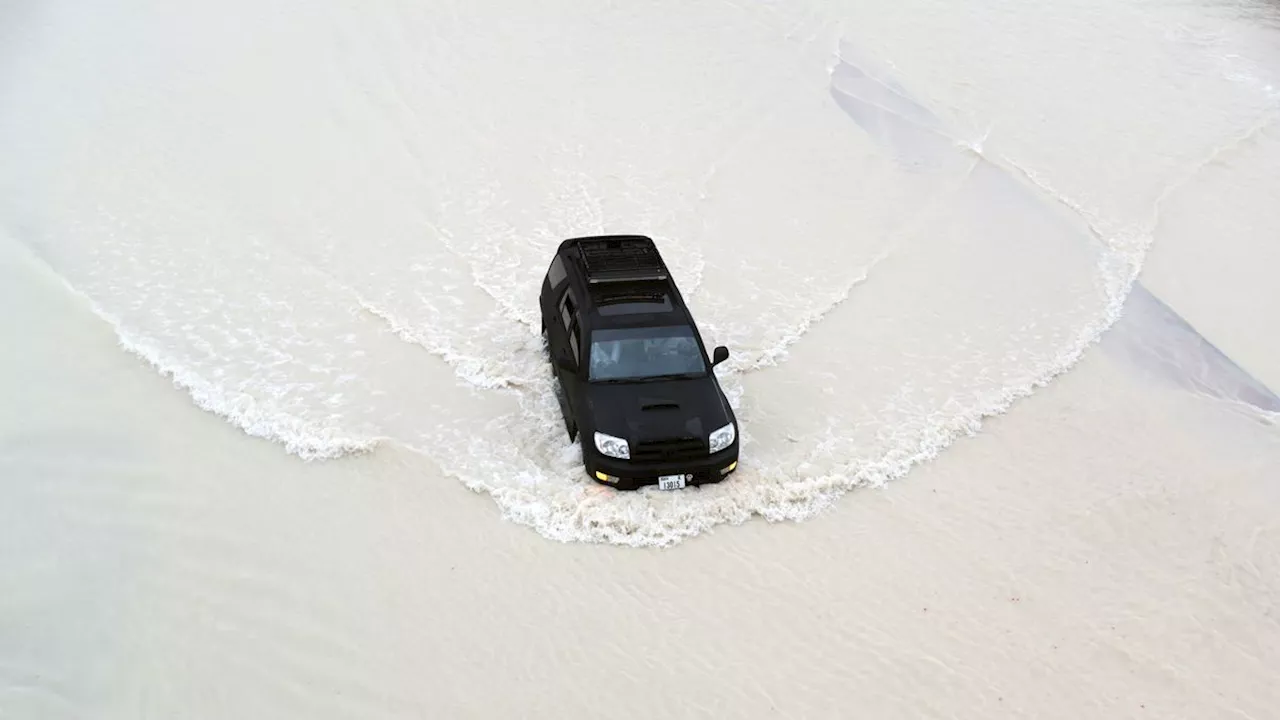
{"type": "Point", "coordinates": [673, 450]}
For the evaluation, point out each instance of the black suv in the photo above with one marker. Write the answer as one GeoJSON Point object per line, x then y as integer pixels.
{"type": "Point", "coordinates": [635, 382]}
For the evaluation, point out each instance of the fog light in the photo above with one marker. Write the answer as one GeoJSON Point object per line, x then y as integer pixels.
{"type": "Point", "coordinates": [605, 478]}
{"type": "Point", "coordinates": [729, 468]}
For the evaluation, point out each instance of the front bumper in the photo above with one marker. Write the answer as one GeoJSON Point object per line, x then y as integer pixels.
{"type": "Point", "coordinates": [629, 475]}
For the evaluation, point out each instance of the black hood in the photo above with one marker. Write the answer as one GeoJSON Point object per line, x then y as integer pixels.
{"type": "Point", "coordinates": [657, 410]}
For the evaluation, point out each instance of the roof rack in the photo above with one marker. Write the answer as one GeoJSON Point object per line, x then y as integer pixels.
{"type": "Point", "coordinates": [638, 293]}
{"type": "Point", "coordinates": [621, 259]}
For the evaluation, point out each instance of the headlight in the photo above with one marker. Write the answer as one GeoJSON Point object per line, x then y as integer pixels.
{"type": "Point", "coordinates": [722, 438]}
{"type": "Point", "coordinates": [613, 446]}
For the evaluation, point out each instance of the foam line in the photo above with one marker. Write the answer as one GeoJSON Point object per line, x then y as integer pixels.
{"type": "Point", "coordinates": [772, 356]}
{"type": "Point", "coordinates": [305, 439]}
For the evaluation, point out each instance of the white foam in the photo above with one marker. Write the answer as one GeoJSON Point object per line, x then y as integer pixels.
{"type": "Point", "coordinates": [308, 439]}
{"type": "Point", "coordinates": [771, 356]}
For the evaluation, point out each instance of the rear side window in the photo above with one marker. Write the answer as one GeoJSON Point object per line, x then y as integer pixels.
{"type": "Point", "coordinates": [569, 315]}
{"type": "Point", "coordinates": [556, 274]}
{"type": "Point", "coordinates": [568, 309]}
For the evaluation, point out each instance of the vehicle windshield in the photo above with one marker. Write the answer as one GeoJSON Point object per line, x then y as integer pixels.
{"type": "Point", "coordinates": [639, 353]}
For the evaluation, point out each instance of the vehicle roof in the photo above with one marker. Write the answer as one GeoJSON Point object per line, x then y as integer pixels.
{"type": "Point", "coordinates": [621, 280]}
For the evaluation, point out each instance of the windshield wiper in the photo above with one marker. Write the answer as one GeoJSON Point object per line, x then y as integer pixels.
{"type": "Point", "coordinates": [670, 376]}
{"type": "Point", "coordinates": [648, 378]}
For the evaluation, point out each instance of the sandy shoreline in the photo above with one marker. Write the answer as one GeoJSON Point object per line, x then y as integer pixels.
{"type": "Point", "coordinates": [161, 563]}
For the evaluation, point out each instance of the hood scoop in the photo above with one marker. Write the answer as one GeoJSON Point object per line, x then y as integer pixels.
{"type": "Point", "coordinates": [651, 403]}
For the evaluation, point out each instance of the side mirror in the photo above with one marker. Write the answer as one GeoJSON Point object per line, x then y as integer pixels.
{"type": "Point", "coordinates": [565, 363]}
{"type": "Point", "coordinates": [720, 354]}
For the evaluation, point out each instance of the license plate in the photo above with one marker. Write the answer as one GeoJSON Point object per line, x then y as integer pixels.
{"type": "Point", "coordinates": [670, 482]}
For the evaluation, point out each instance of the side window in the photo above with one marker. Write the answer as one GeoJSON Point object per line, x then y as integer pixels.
{"type": "Point", "coordinates": [556, 274]}
{"type": "Point", "coordinates": [568, 310]}
{"type": "Point", "coordinates": [569, 315]}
